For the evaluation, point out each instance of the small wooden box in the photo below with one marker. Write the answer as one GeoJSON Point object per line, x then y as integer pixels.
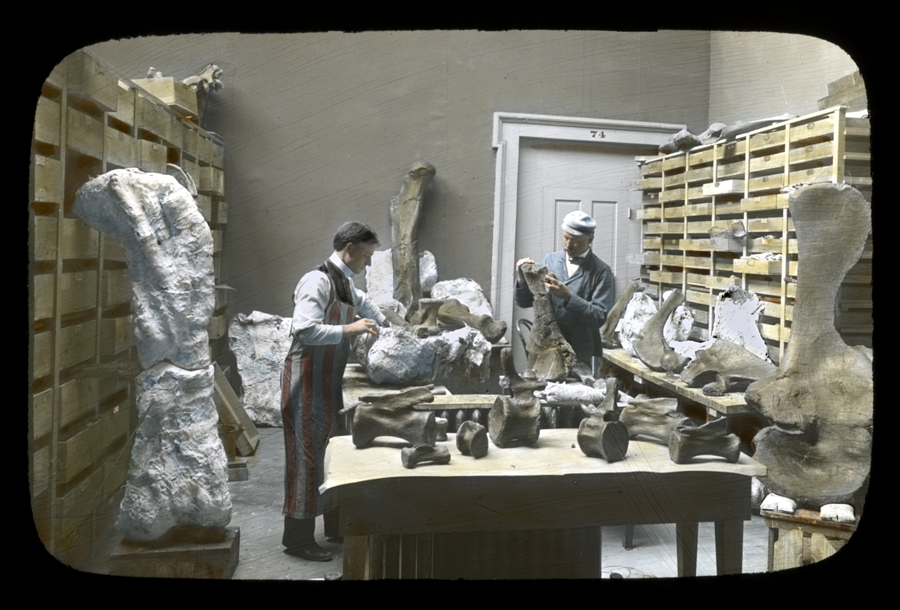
{"type": "Point", "coordinates": [180, 97]}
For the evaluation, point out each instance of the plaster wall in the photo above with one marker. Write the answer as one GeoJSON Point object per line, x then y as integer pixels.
{"type": "Point", "coordinates": [754, 75]}
{"type": "Point", "coordinates": [320, 128]}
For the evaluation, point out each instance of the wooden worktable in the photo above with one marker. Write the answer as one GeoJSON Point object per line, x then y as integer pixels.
{"type": "Point", "coordinates": [524, 512]}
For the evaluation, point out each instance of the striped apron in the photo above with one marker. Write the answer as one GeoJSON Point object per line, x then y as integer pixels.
{"type": "Point", "coordinates": [311, 396]}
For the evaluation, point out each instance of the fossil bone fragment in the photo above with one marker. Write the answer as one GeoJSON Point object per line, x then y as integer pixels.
{"type": "Point", "coordinates": [178, 471]}
{"type": "Point", "coordinates": [712, 438]}
{"type": "Point", "coordinates": [549, 354]}
{"type": "Point", "coordinates": [725, 367]}
{"type": "Point", "coordinates": [650, 346]}
{"type": "Point", "coordinates": [608, 330]}
{"type": "Point", "coordinates": [405, 210]}
{"type": "Point", "coordinates": [411, 457]}
{"type": "Point", "coordinates": [515, 421]}
{"type": "Point", "coordinates": [440, 427]}
{"type": "Point", "coordinates": [209, 79]}
{"type": "Point", "coordinates": [819, 400]}
{"type": "Point", "coordinates": [453, 314]}
{"type": "Point", "coordinates": [424, 319]}
{"type": "Point", "coordinates": [656, 418]}
{"type": "Point", "coordinates": [472, 439]}
{"type": "Point", "coordinates": [393, 415]}
{"type": "Point", "coordinates": [601, 434]}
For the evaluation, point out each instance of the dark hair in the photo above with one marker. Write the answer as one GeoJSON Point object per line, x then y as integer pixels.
{"type": "Point", "coordinates": [354, 233]}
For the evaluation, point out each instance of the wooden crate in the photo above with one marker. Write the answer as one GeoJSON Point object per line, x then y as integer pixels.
{"type": "Point", "coordinates": [687, 192]}
{"type": "Point", "coordinates": [179, 97]}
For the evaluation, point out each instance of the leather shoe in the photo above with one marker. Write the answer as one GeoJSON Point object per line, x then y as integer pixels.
{"type": "Point", "coordinates": [310, 553]}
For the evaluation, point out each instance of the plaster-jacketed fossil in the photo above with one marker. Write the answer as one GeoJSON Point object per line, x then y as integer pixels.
{"type": "Point", "coordinates": [820, 398]}
{"type": "Point", "coordinates": [178, 470]}
{"type": "Point", "coordinates": [549, 354]}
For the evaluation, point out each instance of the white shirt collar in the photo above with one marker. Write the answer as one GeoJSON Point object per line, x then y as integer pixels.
{"type": "Point", "coordinates": [336, 259]}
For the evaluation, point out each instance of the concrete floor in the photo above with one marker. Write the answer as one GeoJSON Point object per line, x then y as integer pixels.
{"type": "Point", "coordinates": [257, 512]}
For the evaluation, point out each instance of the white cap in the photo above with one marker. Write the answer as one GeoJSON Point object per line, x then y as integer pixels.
{"type": "Point", "coordinates": [578, 223]}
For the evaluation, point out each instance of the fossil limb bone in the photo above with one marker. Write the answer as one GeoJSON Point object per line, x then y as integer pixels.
{"type": "Point", "coordinates": [411, 457]}
{"type": "Point", "coordinates": [653, 417]}
{"type": "Point", "coordinates": [453, 314]}
{"type": "Point", "coordinates": [725, 367]}
{"type": "Point", "coordinates": [819, 400]}
{"type": "Point", "coordinates": [651, 345]}
{"type": "Point", "coordinates": [393, 415]}
{"type": "Point", "coordinates": [712, 438]}
{"type": "Point", "coordinates": [601, 434]}
{"type": "Point", "coordinates": [608, 330]}
{"type": "Point", "coordinates": [549, 354]}
{"type": "Point", "coordinates": [405, 210]}
{"type": "Point", "coordinates": [472, 439]}
{"type": "Point", "coordinates": [515, 421]}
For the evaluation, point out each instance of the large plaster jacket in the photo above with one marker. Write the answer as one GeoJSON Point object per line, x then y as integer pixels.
{"type": "Point", "coordinates": [593, 295]}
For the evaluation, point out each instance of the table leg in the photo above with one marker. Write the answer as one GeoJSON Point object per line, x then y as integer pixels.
{"type": "Point", "coordinates": [770, 553]}
{"type": "Point", "coordinates": [628, 538]}
{"type": "Point", "coordinates": [729, 546]}
{"type": "Point", "coordinates": [686, 548]}
{"type": "Point", "coordinates": [354, 558]}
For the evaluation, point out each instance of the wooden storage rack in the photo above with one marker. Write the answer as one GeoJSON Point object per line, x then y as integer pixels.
{"type": "Point", "coordinates": [82, 359]}
{"type": "Point", "coordinates": [686, 194]}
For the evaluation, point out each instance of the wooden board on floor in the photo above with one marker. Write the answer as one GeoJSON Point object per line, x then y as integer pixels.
{"type": "Point", "coordinates": [231, 411]}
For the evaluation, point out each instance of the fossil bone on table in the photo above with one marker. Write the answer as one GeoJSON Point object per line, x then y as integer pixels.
{"type": "Point", "coordinates": [651, 347]}
{"type": "Point", "coordinates": [516, 420]}
{"type": "Point", "coordinates": [725, 367]}
{"type": "Point", "coordinates": [602, 434]}
{"type": "Point", "coordinates": [820, 398]}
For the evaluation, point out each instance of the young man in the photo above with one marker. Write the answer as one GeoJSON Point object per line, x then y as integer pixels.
{"type": "Point", "coordinates": [581, 286]}
{"type": "Point", "coordinates": [328, 310]}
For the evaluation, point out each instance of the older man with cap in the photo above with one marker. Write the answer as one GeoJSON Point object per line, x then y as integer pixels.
{"type": "Point", "coordinates": [581, 286]}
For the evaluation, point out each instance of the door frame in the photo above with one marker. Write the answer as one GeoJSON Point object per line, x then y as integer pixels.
{"type": "Point", "coordinates": [509, 128]}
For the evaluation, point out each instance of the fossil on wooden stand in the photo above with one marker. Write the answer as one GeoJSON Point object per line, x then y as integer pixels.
{"type": "Point", "coordinates": [393, 415]}
{"type": "Point", "coordinates": [405, 210]}
{"type": "Point", "coordinates": [712, 438]}
{"type": "Point", "coordinates": [819, 400]}
{"type": "Point", "coordinates": [601, 434]}
{"type": "Point", "coordinates": [549, 354]}
{"type": "Point", "coordinates": [515, 421]}
{"type": "Point", "coordinates": [656, 418]}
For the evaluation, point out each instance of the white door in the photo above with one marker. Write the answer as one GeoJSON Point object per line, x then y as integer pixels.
{"type": "Point", "coordinates": [555, 179]}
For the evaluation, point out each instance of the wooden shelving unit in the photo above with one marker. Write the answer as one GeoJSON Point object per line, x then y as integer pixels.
{"type": "Point", "coordinates": [694, 200]}
{"type": "Point", "coordinates": [82, 359]}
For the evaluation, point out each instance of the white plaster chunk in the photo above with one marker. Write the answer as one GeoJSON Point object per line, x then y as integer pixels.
{"type": "Point", "coordinates": [689, 349]}
{"type": "Point", "coordinates": [428, 275]}
{"type": "Point", "coordinates": [837, 512]}
{"type": "Point", "coordinates": [678, 326]}
{"type": "Point", "coordinates": [380, 276]}
{"type": "Point", "coordinates": [636, 315]}
{"type": "Point", "coordinates": [736, 320]}
{"type": "Point", "coordinates": [778, 504]}
{"type": "Point", "coordinates": [466, 291]}
{"type": "Point", "coordinates": [260, 343]}
{"type": "Point", "coordinates": [571, 394]}
{"type": "Point", "coordinates": [178, 473]}
{"type": "Point", "coordinates": [758, 493]}
{"type": "Point", "coordinates": [169, 250]}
